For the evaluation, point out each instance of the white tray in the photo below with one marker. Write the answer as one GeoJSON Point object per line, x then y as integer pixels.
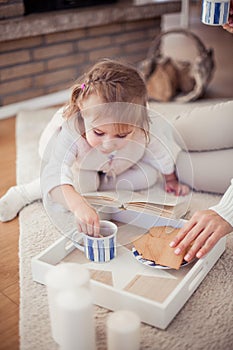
{"type": "Point", "coordinates": [124, 283]}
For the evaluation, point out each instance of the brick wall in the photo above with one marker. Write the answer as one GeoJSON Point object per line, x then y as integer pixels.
{"type": "Point", "coordinates": [11, 8]}
{"type": "Point", "coordinates": [48, 63]}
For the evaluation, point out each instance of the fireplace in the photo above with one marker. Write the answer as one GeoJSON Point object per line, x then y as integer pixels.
{"type": "Point", "coordinates": [42, 53]}
{"type": "Point", "coordinates": [33, 6]}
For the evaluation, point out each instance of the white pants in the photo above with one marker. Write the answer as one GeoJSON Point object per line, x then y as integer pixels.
{"type": "Point", "coordinates": [140, 176]}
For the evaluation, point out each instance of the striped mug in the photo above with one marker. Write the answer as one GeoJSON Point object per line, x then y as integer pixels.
{"type": "Point", "coordinates": [101, 249]}
{"type": "Point", "coordinates": [215, 12]}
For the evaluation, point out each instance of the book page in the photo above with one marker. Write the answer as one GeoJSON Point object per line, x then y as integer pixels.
{"type": "Point", "coordinates": [157, 195]}
{"type": "Point", "coordinates": [153, 195]}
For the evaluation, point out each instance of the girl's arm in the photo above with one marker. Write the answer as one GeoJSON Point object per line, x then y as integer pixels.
{"type": "Point", "coordinates": [57, 181]}
{"type": "Point", "coordinates": [86, 216]}
{"type": "Point", "coordinates": [161, 153]}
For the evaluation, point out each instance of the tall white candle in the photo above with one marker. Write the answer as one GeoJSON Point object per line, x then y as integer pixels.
{"type": "Point", "coordinates": [75, 309]}
{"type": "Point", "coordinates": [123, 331]}
{"type": "Point", "coordinates": [62, 277]}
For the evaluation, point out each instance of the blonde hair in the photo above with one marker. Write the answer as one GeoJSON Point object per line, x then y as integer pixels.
{"type": "Point", "coordinates": [112, 81]}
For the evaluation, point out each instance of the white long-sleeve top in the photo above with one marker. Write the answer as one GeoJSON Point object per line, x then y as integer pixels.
{"type": "Point", "coordinates": [225, 207]}
{"type": "Point", "coordinates": [61, 145]}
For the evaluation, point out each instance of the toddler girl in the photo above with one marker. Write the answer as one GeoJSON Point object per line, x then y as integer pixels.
{"type": "Point", "coordinates": [99, 141]}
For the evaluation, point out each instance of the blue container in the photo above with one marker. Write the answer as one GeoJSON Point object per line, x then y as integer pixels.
{"type": "Point", "coordinates": [215, 12]}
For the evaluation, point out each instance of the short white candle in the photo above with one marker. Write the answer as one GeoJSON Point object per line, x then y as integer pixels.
{"type": "Point", "coordinates": [62, 277]}
{"type": "Point", "coordinates": [123, 331]}
{"type": "Point", "coordinates": [76, 313]}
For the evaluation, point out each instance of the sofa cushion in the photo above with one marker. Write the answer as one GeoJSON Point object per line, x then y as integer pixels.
{"type": "Point", "coordinates": [206, 127]}
{"type": "Point", "coordinates": [206, 171]}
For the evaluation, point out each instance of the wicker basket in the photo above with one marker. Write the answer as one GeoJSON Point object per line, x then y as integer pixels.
{"type": "Point", "coordinates": [169, 79]}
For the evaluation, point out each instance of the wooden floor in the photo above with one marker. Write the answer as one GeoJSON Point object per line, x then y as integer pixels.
{"type": "Point", "coordinates": [9, 234]}
{"type": "Point", "coordinates": [221, 86]}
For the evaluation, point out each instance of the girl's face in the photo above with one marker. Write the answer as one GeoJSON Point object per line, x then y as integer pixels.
{"type": "Point", "coordinates": [103, 134]}
{"type": "Point", "coordinates": [106, 139]}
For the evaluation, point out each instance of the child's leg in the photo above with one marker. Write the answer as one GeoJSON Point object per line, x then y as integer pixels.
{"type": "Point", "coordinates": [198, 170]}
{"type": "Point", "coordinates": [140, 176]}
{"type": "Point", "coordinates": [17, 197]}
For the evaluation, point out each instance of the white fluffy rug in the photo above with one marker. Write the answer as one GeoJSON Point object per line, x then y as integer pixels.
{"type": "Point", "coordinates": [206, 320]}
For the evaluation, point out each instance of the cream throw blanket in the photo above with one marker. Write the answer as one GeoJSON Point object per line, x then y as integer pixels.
{"type": "Point", "coordinates": [206, 320]}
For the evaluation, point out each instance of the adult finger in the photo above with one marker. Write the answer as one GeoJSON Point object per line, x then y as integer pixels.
{"type": "Point", "coordinates": [198, 243]}
{"type": "Point", "coordinates": [209, 244]}
{"type": "Point", "coordinates": [182, 233]}
{"type": "Point", "coordinates": [188, 239]}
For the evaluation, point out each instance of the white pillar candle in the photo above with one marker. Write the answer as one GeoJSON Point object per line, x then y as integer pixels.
{"type": "Point", "coordinates": [123, 331]}
{"type": "Point", "coordinates": [75, 309]}
{"type": "Point", "coordinates": [62, 277]}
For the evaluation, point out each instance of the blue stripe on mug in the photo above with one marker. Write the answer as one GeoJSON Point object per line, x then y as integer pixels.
{"type": "Point", "coordinates": [112, 247]}
{"type": "Point", "coordinates": [90, 249]}
{"type": "Point", "coordinates": [226, 12]}
{"type": "Point", "coordinates": [217, 12]}
{"type": "Point", "coordinates": [207, 11]}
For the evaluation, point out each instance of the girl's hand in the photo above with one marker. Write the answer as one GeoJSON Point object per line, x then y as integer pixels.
{"type": "Point", "coordinates": [87, 219]}
{"type": "Point", "coordinates": [176, 188]}
{"type": "Point", "coordinates": [204, 230]}
{"type": "Point", "coordinates": [173, 186]}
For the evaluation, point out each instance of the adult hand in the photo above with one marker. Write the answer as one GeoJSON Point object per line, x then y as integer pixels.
{"type": "Point", "coordinates": [203, 230]}
{"type": "Point", "coordinates": [229, 26]}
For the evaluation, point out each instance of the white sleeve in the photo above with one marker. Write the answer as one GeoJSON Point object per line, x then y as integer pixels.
{"type": "Point", "coordinates": [57, 171]}
{"type": "Point", "coordinates": [159, 154]}
{"type": "Point", "coordinates": [225, 207]}
{"type": "Point", "coordinates": [52, 128]}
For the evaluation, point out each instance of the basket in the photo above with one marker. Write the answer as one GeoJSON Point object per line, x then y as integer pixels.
{"type": "Point", "coordinates": [170, 79]}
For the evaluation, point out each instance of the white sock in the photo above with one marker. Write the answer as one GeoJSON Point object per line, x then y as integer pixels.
{"type": "Point", "coordinates": [17, 197]}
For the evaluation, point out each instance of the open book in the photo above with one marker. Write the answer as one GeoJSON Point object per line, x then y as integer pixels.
{"type": "Point", "coordinates": [154, 200]}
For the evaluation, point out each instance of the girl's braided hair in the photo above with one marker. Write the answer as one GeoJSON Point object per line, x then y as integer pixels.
{"type": "Point", "coordinates": [112, 81]}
